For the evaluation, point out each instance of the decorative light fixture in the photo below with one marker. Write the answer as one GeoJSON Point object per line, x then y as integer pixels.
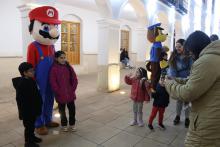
{"type": "Point", "coordinates": [57, 115]}
{"type": "Point", "coordinates": [122, 92]}
{"type": "Point", "coordinates": [113, 77]}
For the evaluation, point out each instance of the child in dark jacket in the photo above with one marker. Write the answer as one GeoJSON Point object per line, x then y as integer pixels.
{"type": "Point", "coordinates": [29, 102]}
{"type": "Point", "coordinates": [139, 94]}
{"type": "Point", "coordinates": [64, 82]}
{"type": "Point", "coordinates": [161, 101]}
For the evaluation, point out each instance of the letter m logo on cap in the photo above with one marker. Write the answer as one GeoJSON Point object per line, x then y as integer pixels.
{"type": "Point", "coordinates": [50, 12]}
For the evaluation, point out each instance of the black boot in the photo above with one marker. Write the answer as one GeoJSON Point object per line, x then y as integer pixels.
{"type": "Point", "coordinates": [36, 139]}
{"type": "Point", "coordinates": [187, 123]}
{"type": "Point", "coordinates": [150, 127]}
{"type": "Point", "coordinates": [176, 120]}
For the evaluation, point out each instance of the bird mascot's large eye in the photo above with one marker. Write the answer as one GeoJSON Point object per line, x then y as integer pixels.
{"type": "Point", "coordinates": [46, 27]}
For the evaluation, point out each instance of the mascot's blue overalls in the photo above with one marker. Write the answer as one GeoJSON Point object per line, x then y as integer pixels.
{"type": "Point", "coordinates": [42, 72]}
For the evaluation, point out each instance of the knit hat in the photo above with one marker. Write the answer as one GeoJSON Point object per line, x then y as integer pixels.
{"type": "Point", "coordinates": [214, 37]}
{"type": "Point", "coordinates": [196, 42]}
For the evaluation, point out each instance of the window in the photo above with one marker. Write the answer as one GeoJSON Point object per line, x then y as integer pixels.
{"type": "Point", "coordinates": [70, 41]}
{"type": "Point", "coordinates": [125, 39]}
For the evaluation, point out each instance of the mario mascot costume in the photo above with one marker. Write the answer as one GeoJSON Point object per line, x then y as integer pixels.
{"type": "Point", "coordinates": [155, 36]}
{"type": "Point", "coordinates": [44, 29]}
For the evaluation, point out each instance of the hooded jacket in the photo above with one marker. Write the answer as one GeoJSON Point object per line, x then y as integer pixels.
{"type": "Point", "coordinates": [63, 81]}
{"type": "Point", "coordinates": [137, 93]}
{"type": "Point", "coordinates": [28, 97]}
{"type": "Point", "coordinates": [203, 90]}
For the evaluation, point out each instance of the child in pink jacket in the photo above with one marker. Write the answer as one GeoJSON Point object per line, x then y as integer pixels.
{"type": "Point", "coordinates": [139, 94]}
{"type": "Point", "coordinates": [64, 82]}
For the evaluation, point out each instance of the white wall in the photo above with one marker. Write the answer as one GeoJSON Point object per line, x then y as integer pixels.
{"type": "Point", "coordinates": [89, 28]}
{"type": "Point", "coordinates": [11, 32]}
{"type": "Point", "coordinates": [89, 32]}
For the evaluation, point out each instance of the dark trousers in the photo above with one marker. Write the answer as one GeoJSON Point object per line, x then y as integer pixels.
{"type": "Point", "coordinates": [29, 128]}
{"type": "Point", "coordinates": [154, 111]}
{"type": "Point", "coordinates": [72, 113]}
{"type": "Point", "coordinates": [155, 74]}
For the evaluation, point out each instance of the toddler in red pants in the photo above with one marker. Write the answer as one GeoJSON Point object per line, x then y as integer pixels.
{"type": "Point", "coordinates": [161, 101]}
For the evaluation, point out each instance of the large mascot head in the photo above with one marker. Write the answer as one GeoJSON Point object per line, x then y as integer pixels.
{"type": "Point", "coordinates": [155, 34]}
{"type": "Point", "coordinates": [44, 25]}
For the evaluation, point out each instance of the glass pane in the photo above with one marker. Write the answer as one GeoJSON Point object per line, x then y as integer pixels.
{"type": "Point", "coordinates": [64, 28]}
{"type": "Point", "coordinates": [71, 47]}
{"type": "Point", "coordinates": [74, 38]}
{"type": "Point", "coordinates": [73, 28]}
{"type": "Point", "coordinates": [64, 47]}
{"type": "Point", "coordinates": [75, 47]}
{"type": "Point", "coordinates": [63, 38]}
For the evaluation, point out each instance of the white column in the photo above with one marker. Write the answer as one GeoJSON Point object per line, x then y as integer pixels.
{"type": "Point", "coordinates": [26, 37]}
{"type": "Point", "coordinates": [143, 47]}
{"type": "Point", "coordinates": [191, 17]}
{"type": "Point", "coordinates": [108, 55]}
{"type": "Point", "coordinates": [203, 16]}
{"type": "Point", "coordinates": [171, 36]}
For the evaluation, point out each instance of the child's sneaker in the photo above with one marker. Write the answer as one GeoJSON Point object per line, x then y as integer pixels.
{"type": "Point", "coordinates": [141, 124]}
{"type": "Point", "coordinates": [73, 128]}
{"type": "Point", "coordinates": [140, 119]}
{"type": "Point", "coordinates": [162, 127]}
{"type": "Point", "coordinates": [133, 123]}
{"type": "Point", "coordinates": [150, 127]}
{"type": "Point", "coordinates": [64, 129]}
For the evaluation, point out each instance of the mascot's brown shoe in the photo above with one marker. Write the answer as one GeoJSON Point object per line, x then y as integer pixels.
{"type": "Point", "coordinates": [42, 130]}
{"type": "Point", "coordinates": [52, 125]}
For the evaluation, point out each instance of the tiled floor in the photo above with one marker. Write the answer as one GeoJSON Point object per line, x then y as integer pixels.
{"type": "Point", "coordinates": [102, 121]}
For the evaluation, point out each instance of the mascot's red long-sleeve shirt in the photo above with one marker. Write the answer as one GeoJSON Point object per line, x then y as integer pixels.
{"type": "Point", "coordinates": [33, 55]}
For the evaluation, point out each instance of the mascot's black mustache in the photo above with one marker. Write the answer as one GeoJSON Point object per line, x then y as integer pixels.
{"type": "Point", "coordinates": [47, 35]}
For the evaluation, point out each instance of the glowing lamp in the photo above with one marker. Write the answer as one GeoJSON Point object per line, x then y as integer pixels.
{"type": "Point", "coordinates": [113, 77]}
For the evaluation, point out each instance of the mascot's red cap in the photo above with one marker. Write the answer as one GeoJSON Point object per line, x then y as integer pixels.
{"type": "Point", "coordinates": [46, 14]}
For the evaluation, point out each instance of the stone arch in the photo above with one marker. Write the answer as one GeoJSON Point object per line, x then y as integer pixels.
{"type": "Point", "coordinates": [72, 17]}
{"type": "Point", "coordinates": [125, 27]}
{"type": "Point", "coordinates": [104, 8]}
{"type": "Point", "coordinates": [139, 9]}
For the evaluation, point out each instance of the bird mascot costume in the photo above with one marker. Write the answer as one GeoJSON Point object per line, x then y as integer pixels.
{"type": "Point", "coordinates": [44, 30]}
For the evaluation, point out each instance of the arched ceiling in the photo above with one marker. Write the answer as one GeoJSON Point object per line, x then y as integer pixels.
{"type": "Point", "coordinates": [128, 12]}
{"type": "Point", "coordinates": [133, 10]}
{"type": "Point", "coordinates": [86, 4]}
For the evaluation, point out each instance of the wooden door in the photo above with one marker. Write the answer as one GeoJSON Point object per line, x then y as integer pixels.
{"type": "Point", "coordinates": [70, 41]}
{"type": "Point", "coordinates": [125, 39]}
